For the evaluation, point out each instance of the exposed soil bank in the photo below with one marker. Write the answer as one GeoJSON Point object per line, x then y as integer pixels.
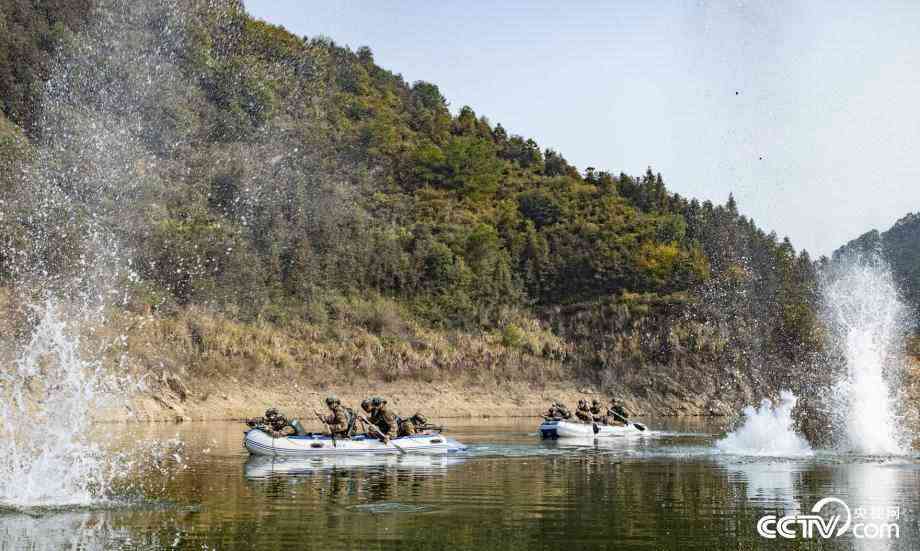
{"type": "Point", "coordinates": [234, 399]}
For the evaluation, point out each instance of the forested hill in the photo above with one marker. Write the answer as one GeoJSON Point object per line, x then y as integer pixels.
{"type": "Point", "coordinates": [274, 179]}
{"type": "Point", "coordinates": [900, 247]}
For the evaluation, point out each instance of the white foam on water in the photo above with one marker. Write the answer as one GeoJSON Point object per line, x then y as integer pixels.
{"type": "Point", "coordinates": [767, 430]}
{"type": "Point", "coordinates": [866, 317]}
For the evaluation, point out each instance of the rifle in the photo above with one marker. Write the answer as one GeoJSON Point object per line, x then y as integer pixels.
{"type": "Point", "coordinates": [323, 421]}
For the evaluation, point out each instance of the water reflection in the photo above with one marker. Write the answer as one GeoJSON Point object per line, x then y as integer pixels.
{"type": "Point", "coordinates": [772, 483]}
{"type": "Point", "coordinates": [510, 491]}
{"type": "Point", "coordinates": [62, 530]}
{"type": "Point", "coordinates": [874, 489]}
{"type": "Point", "coordinates": [260, 467]}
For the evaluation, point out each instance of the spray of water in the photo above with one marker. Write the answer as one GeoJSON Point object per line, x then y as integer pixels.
{"type": "Point", "coordinates": [866, 319]}
{"type": "Point", "coordinates": [767, 431]}
{"type": "Point", "coordinates": [76, 201]}
{"type": "Point", "coordinates": [45, 456]}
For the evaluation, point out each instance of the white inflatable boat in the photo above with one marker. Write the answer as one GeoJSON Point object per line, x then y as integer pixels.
{"type": "Point", "coordinates": [261, 443]}
{"type": "Point", "coordinates": [551, 428]}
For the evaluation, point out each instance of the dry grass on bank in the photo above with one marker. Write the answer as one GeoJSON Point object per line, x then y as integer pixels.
{"type": "Point", "coordinates": [199, 345]}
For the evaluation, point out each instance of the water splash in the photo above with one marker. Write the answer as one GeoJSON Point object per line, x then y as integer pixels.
{"type": "Point", "coordinates": [46, 456]}
{"type": "Point", "coordinates": [767, 431]}
{"type": "Point", "coordinates": [866, 319]}
{"type": "Point", "coordinates": [99, 147]}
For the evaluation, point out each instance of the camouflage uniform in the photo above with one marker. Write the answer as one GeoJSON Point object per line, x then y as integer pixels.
{"type": "Point", "coordinates": [554, 411]}
{"type": "Point", "coordinates": [583, 413]}
{"type": "Point", "coordinates": [420, 422]}
{"type": "Point", "coordinates": [282, 427]}
{"type": "Point", "coordinates": [407, 427]}
{"type": "Point", "coordinates": [384, 420]}
{"type": "Point", "coordinates": [272, 423]}
{"type": "Point", "coordinates": [559, 411]}
{"type": "Point", "coordinates": [596, 414]}
{"type": "Point", "coordinates": [617, 413]}
{"type": "Point", "coordinates": [338, 420]}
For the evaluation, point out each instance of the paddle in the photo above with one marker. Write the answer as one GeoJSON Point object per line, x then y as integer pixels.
{"type": "Point", "coordinates": [384, 437]}
{"type": "Point", "coordinates": [639, 426]}
{"type": "Point", "coordinates": [323, 421]}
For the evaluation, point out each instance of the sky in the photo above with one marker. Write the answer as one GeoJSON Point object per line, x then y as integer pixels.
{"type": "Point", "coordinates": [809, 113]}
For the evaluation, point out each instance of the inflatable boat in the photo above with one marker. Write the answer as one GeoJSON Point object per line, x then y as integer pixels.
{"type": "Point", "coordinates": [552, 428]}
{"type": "Point", "coordinates": [261, 443]}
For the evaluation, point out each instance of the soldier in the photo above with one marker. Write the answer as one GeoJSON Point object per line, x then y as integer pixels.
{"type": "Point", "coordinates": [596, 414]}
{"type": "Point", "coordinates": [383, 419]}
{"type": "Point", "coordinates": [420, 422]}
{"type": "Point", "coordinates": [562, 412]}
{"type": "Point", "coordinates": [582, 412]}
{"type": "Point", "coordinates": [337, 420]}
{"type": "Point", "coordinates": [618, 415]}
{"type": "Point", "coordinates": [406, 426]}
{"type": "Point", "coordinates": [272, 423]}
{"type": "Point", "coordinates": [555, 411]}
{"type": "Point", "coordinates": [416, 424]}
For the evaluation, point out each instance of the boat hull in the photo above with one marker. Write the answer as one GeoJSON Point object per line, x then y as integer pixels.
{"type": "Point", "coordinates": [569, 429]}
{"type": "Point", "coordinates": [260, 443]}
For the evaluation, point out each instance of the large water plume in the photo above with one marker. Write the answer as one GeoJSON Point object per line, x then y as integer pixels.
{"type": "Point", "coordinates": [866, 322]}
{"type": "Point", "coordinates": [75, 203]}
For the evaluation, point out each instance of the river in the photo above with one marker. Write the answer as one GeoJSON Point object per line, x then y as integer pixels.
{"type": "Point", "coordinates": [669, 489]}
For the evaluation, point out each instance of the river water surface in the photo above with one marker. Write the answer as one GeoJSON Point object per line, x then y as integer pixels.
{"type": "Point", "coordinates": [670, 489]}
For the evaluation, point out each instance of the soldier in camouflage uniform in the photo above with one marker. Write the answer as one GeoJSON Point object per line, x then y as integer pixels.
{"type": "Point", "coordinates": [420, 422]}
{"type": "Point", "coordinates": [413, 425]}
{"type": "Point", "coordinates": [406, 427]}
{"type": "Point", "coordinates": [272, 423]}
{"type": "Point", "coordinates": [383, 418]}
{"type": "Point", "coordinates": [597, 415]}
{"type": "Point", "coordinates": [337, 420]}
{"type": "Point", "coordinates": [582, 412]}
{"type": "Point", "coordinates": [557, 412]}
{"type": "Point", "coordinates": [616, 413]}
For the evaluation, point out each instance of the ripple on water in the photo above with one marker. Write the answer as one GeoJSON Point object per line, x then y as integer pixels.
{"type": "Point", "coordinates": [388, 507]}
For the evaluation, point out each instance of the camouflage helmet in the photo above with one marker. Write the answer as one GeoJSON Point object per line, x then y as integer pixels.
{"type": "Point", "coordinates": [271, 412]}
{"type": "Point", "coordinates": [582, 402]}
{"type": "Point", "coordinates": [366, 404]}
{"type": "Point", "coordinates": [595, 403]}
{"type": "Point", "coordinates": [377, 401]}
{"type": "Point", "coordinates": [331, 401]}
